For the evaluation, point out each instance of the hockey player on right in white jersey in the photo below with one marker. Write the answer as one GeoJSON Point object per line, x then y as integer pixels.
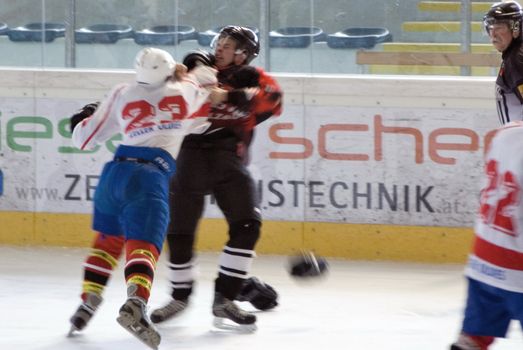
{"type": "Point", "coordinates": [495, 266]}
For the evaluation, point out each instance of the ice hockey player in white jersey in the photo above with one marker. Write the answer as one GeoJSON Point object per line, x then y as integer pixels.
{"type": "Point", "coordinates": [131, 209]}
{"type": "Point", "coordinates": [151, 112]}
{"type": "Point", "coordinates": [495, 266]}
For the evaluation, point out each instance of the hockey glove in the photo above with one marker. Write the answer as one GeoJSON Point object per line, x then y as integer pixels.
{"type": "Point", "coordinates": [307, 265]}
{"type": "Point", "coordinates": [245, 77]}
{"type": "Point", "coordinates": [245, 82]}
{"type": "Point", "coordinates": [259, 294]}
{"type": "Point", "coordinates": [198, 57]}
{"type": "Point", "coordinates": [242, 98]}
{"type": "Point", "coordinates": [86, 111]}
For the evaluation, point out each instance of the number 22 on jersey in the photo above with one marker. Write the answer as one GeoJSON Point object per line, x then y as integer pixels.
{"type": "Point", "coordinates": [499, 199]}
{"type": "Point", "coordinates": [144, 115]}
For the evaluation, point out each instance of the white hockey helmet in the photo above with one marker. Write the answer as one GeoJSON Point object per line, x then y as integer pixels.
{"type": "Point", "coordinates": [153, 66]}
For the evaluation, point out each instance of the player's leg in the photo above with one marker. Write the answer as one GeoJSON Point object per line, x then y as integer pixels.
{"type": "Point", "coordinates": [486, 317]}
{"type": "Point", "coordinates": [144, 219]}
{"type": "Point", "coordinates": [106, 250]}
{"type": "Point", "coordinates": [238, 201]}
{"type": "Point", "coordinates": [186, 202]}
{"type": "Point", "coordinates": [98, 268]}
{"type": "Point", "coordinates": [141, 258]}
{"type": "Point", "coordinates": [472, 342]}
{"type": "Point", "coordinates": [515, 301]}
{"type": "Point", "coordinates": [186, 209]}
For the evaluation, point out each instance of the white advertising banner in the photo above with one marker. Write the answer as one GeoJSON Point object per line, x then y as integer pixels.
{"type": "Point", "coordinates": [391, 163]}
{"type": "Point", "coordinates": [372, 165]}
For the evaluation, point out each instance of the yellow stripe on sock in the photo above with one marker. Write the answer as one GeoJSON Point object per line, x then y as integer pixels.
{"type": "Point", "coordinates": [104, 256]}
{"type": "Point", "coordinates": [146, 253]}
{"type": "Point", "coordinates": [141, 281]}
{"type": "Point", "coordinates": [91, 287]}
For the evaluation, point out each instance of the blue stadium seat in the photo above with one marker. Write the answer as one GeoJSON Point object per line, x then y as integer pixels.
{"type": "Point", "coordinates": [3, 28]}
{"type": "Point", "coordinates": [165, 35]}
{"type": "Point", "coordinates": [103, 33]}
{"type": "Point", "coordinates": [299, 37]}
{"type": "Point", "coordinates": [353, 38]}
{"type": "Point", "coordinates": [37, 32]}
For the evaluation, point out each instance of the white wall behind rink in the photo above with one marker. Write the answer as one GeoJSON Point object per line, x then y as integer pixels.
{"type": "Point", "coordinates": [355, 149]}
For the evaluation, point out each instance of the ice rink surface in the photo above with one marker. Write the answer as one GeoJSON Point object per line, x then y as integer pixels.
{"type": "Point", "coordinates": [360, 306]}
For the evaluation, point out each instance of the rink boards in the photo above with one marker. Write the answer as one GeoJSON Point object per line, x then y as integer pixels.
{"type": "Point", "coordinates": [349, 241]}
{"type": "Point", "coordinates": [383, 168]}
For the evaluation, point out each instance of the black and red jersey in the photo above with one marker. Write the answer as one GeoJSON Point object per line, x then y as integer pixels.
{"type": "Point", "coordinates": [229, 119]}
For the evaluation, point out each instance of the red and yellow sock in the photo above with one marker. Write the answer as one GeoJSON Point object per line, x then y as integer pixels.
{"type": "Point", "coordinates": [101, 262]}
{"type": "Point", "coordinates": [141, 260]}
{"type": "Point", "coordinates": [482, 341]}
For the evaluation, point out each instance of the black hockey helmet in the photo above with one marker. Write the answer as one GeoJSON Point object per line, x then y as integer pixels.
{"type": "Point", "coordinates": [245, 37]}
{"type": "Point", "coordinates": [509, 12]}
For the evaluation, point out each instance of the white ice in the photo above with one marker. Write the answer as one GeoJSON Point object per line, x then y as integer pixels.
{"type": "Point", "coordinates": [360, 305]}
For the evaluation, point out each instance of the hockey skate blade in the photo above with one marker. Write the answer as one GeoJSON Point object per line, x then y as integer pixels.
{"type": "Point", "coordinates": [147, 336]}
{"type": "Point", "coordinates": [72, 332]}
{"type": "Point", "coordinates": [157, 317]}
{"type": "Point", "coordinates": [224, 324]}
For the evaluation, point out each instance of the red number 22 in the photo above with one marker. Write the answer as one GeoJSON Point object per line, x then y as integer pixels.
{"type": "Point", "coordinates": [498, 199]}
{"type": "Point", "coordinates": [142, 112]}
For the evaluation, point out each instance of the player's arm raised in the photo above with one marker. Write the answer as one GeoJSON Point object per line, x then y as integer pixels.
{"type": "Point", "coordinates": [99, 126]}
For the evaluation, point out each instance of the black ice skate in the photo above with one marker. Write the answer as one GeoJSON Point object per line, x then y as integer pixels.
{"type": "Point", "coordinates": [226, 310]}
{"type": "Point", "coordinates": [133, 318]}
{"type": "Point", "coordinates": [172, 309]}
{"type": "Point", "coordinates": [84, 313]}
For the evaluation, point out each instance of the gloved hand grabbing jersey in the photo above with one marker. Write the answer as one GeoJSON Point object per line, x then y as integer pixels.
{"type": "Point", "coordinates": [200, 64]}
{"type": "Point", "coordinates": [245, 77]}
{"type": "Point", "coordinates": [197, 58]}
{"type": "Point", "coordinates": [245, 82]}
{"type": "Point", "coordinates": [85, 112]}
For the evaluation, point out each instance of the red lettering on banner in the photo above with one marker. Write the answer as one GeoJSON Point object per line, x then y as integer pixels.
{"type": "Point", "coordinates": [306, 143]}
{"type": "Point", "coordinates": [322, 141]}
{"type": "Point", "coordinates": [380, 129]}
{"type": "Point", "coordinates": [488, 139]}
{"type": "Point", "coordinates": [435, 146]}
{"type": "Point", "coordinates": [435, 143]}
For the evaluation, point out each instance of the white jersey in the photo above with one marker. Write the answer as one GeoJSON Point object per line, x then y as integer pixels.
{"type": "Point", "coordinates": [497, 256]}
{"type": "Point", "coordinates": [149, 116]}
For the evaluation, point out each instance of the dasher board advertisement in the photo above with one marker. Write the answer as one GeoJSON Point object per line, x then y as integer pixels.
{"type": "Point", "coordinates": [380, 165]}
